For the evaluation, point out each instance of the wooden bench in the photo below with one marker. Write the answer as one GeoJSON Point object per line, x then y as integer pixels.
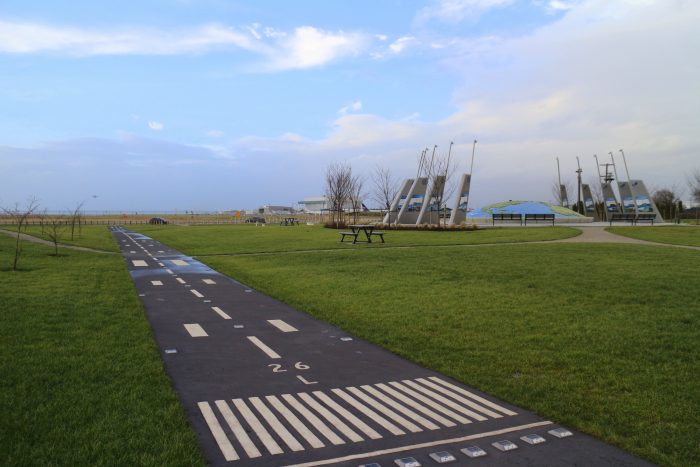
{"type": "Point", "coordinates": [379, 234]}
{"type": "Point", "coordinates": [350, 234]}
{"type": "Point", "coordinates": [539, 217]}
{"type": "Point", "coordinates": [646, 217]}
{"type": "Point", "coordinates": [508, 216]}
{"type": "Point", "coordinates": [622, 217]}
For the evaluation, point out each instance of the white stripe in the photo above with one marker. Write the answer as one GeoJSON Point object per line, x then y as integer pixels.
{"type": "Point", "coordinates": [161, 264]}
{"type": "Point", "coordinates": [179, 262]}
{"type": "Point", "coordinates": [268, 351]}
{"type": "Point", "coordinates": [195, 330]}
{"type": "Point", "coordinates": [362, 426]}
{"type": "Point", "coordinates": [295, 422]}
{"type": "Point", "coordinates": [474, 396]}
{"type": "Point", "coordinates": [430, 403]}
{"type": "Point", "coordinates": [260, 430]}
{"type": "Point", "coordinates": [281, 325]}
{"type": "Point", "coordinates": [412, 427]}
{"type": "Point", "coordinates": [168, 271]}
{"type": "Point", "coordinates": [335, 421]}
{"type": "Point", "coordinates": [313, 419]}
{"type": "Point", "coordinates": [132, 251]}
{"type": "Point", "coordinates": [161, 251]}
{"type": "Point", "coordinates": [208, 281]}
{"type": "Point", "coordinates": [410, 402]}
{"type": "Point", "coordinates": [196, 294]}
{"type": "Point", "coordinates": [444, 400]}
{"type": "Point", "coordinates": [406, 411]}
{"type": "Point", "coordinates": [139, 262]}
{"type": "Point", "coordinates": [218, 432]}
{"type": "Point", "coordinates": [374, 416]}
{"type": "Point", "coordinates": [156, 283]}
{"type": "Point", "coordinates": [238, 430]}
{"type": "Point", "coordinates": [274, 422]}
{"type": "Point", "coordinates": [415, 447]}
{"type": "Point", "coordinates": [220, 312]}
{"type": "Point", "coordinates": [459, 398]}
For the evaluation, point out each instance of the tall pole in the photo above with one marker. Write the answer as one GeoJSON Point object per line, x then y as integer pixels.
{"type": "Point", "coordinates": [625, 162]}
{"type": "Point", "coordinates": [471, 167]}
{"type": "Point", "coordinates": [558, 173]}
{"type": "Point", "coordinates": [597, 164]}
{"type": "Point", "coordinates": [578, 203]}
{"type": "Point", "coordinates": [614, 166]}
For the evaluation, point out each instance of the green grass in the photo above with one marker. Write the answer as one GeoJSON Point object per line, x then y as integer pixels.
{"type": "Point", "coordinates": [91, 236]}
{"type": "Point", "coordinates": [244, 239]}
{"type": "Point", "coordinates": [82, 381]}
{"type": "Point", "coordinates": [675, 235]}
{"type": "Point", "coordinates": [603, 338]}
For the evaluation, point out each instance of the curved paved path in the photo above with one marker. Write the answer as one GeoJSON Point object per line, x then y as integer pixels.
{"type": "Point", "coordinates": [41, 241]}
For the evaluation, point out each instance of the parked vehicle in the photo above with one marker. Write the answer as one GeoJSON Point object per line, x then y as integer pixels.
{"type": "Point", "coordinates": [157, 220]}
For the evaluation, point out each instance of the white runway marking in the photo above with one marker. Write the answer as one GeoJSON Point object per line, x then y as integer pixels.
{"type": "Point", "coordinates": [139, 262]}
{"type": "Point", "coordinates": [371, 414]}
{"type": "Point", "coordinates": [459, 398]}
{"type": "Point", "coordinates": [195, 330]}
{"type": "Point", "coordinates": [208, 281]}
{"type": "Point", "coordinates": [275, 424]}
{"type": "Point", "coordinates": [386, 411]}
{"type": "Point", "coordinates": [161, 251]}
{"type": "Point", "coordinates": [218, 432]}
{"type": "Point", "coordinates": [260, 431]}
{"type": "Point", "coordinates": [132, 251]}
{"type": "Point", "coordinates": [396, 406]}
{"type": "Point", "coordinates": [220, 312]}
{"type": "Point", "coordinates": [362, 426]}
{"type": "Point", "coordinates": [295, 422]}
{"type": "Point", "coordinates": [411, 403]}
{"type": "Point", "coordinates": [473, 396]}
{"type": "Point", "coordinates": [156, 283]}
{"type": "Point", "coordinates": [444, 400]}
{"type": "Point", "coordinates": [179, 262]}
{"type": "Point", "coordinates": [313, 419]}
{"type": "Point", "coordinates": [281, 325]}
{"type": "Point", "coordinates": [180, 280]}
{"type": "Point", "coordinates": [238, 430]}
{"type": "Point", "coordinates": [168, 271]}
{"type": "Point", "coordinates": [196, 294]}
{"type": "Point", "coordinates": [268, 351]}
{"type": "Point", "coordinates": [335, 421]}
{"type": "Point", "coordinates": [430, 403]}
{"type": "Point", "coordinates": [161, 264]}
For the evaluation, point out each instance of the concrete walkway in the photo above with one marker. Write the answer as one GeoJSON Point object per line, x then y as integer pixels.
{"type": "Point", "coordinates": [41, 241]}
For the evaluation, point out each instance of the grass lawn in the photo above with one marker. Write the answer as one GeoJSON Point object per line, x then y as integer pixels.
{"type": "Point", "coordinates": [676, 235]}
{"type": "Point", "coordinates": [91, 236]}
{"type": "Point", "coordinates": [244, 239]}
{"type": "Point", "coordinates": [82, 381]}
{"type": "Point", "coordinates": [603, 338]}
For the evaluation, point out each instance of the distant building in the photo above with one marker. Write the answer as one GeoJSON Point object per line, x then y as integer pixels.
{"type": "Point", "coordinates": [270, 209]}
{"type": "Point", "coordinates": [319, 205]}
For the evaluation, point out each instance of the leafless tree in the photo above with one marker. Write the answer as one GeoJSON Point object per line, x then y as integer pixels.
{"type": "Point", "coordinates": [19, 218]}
{"type": "Point", "coordinates": [557, 192]}
{"type": "Point", "coordinates": [693, 181]}
{"type": "Point", "coordinates": [338, 190]}
{"type": "Point", "coordinates": [384, 187]}
{"type": "Point", "coordinates": [440, 171]}
{"type": "Point", "coordinates": [666, 200]}
{"type": "Point", "coordinates": [598, 198]}
{"type": "Point", "coordinates": [55, 227]}
{"type": "Point", "coordinates": [76, 219]}
{"type": "Point", "coordinates": [356, 195]}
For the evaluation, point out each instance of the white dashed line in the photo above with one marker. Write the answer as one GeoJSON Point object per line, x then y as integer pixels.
{"type": "Point", "coordinates": [220, 312]}
{"type": "Point", "coordinates": [180, 280]}
{"type": "Point", "coordinates": [156, 283]}
{"type": "Point", "coordinates": [179, 262]}
{"type": "Point", "coordinates": [196, 294]}
{"type": "Point", "coordinates": [259, 344]}
{"type": "Point", "coordinates": [208, 281]}
{"type": "Point", "coordinates": [281, 325]}
{"type": "Point", "coordinates": [195, 330]}
{"type": "Point", "coordinates": [139, 262]}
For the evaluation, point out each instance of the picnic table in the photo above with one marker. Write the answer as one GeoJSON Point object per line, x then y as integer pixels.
{"type": "Point", "coordinates": [290, 221]}
{"type": "Point", "coordinates": [367, 229]}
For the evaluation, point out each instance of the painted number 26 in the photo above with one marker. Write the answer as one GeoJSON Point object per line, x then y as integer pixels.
{"type": "Point", "coordinates": [277, 368]}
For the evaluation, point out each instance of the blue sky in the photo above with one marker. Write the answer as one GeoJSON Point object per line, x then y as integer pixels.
{"type": "Point", "coordinates": [211, 105]}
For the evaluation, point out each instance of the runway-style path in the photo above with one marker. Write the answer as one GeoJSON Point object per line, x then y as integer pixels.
{"type": "Point", "coordinates": [264, 384]}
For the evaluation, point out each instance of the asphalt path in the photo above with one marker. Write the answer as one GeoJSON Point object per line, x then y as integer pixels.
{"type": "Point", "coordinates": [264, 384]}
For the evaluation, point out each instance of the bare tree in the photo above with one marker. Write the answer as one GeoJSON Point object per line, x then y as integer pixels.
{"type": "Point", "coordinates": [76, 219]}
{"type": "Point", "coordinates": [19, 218]}
{"type": "Point", "coordinates": [55, 227]}
{"type": "Point", "coordinates": [666, 201]}
{"type": "Point", "coordinates": [558, 194]}
{"type": "Point", "coordinates": [356, 195]}
{"type": "Point", "coordinates": [384, 187]}
{"type": "Point", "coordinates": [693, 180]}
{"type": "Point", "coordinates": [598, 198]}
{"type": "Point", "coordinates": [440, 171]}
{"type": "Point", "coordinates": [338, 190]}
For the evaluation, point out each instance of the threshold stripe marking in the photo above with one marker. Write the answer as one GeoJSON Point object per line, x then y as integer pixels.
{"type": "Point", "coordinates": [208, 281]}
{"type": "Point", "coordinates": [179, 262]}
{"type": "Point", "coordinates": [220, 312]}
{"type": "Point", "coordinates": [362, 426]}
{"type": "Point", "coordinates": [459, 398]}
{"type": "Point", "coordinates": [276, 425]}
{"type": "Point", "coordinates": [260, 430]}
{"type": "Point", "coordinates": [281, 325]}
{"type": "Point", "coordinates": [474, 396]}
{"type": "Point", "coordinates": [410, 402]}
{"type": "Point", "coordinates": [295, 422]}
{"type": "Point", "coordinates": [139, 262]}
{"type": "Point", "coordinates": [238, 430]}
{"type": "Point", "coordinates": [196, 294]}
{"type": "Point", "coordinates": [423, 445]}
{"type": "Point", "coordinates": [195, 330]}
{"type": "Point", "coordinates": [218, 432]}
{"type": "Point", "coordinates": [259, 344]}
{"type": "Point", "coordinates": [413, 428]}
{"type": "Point", "coordinates": [180, 280]}
{"type": "Point", "coordinates": [156, 283]}
{"type": "Point", "coordinates": [335, 421]}
{"type": "Point", "coordinates": [396, 406]}
{"type": "Point", "coordinates": [313, 419]}
{"type": "Point", "coordinates": [430, 403]}
{"type": "Point", "coordinates": [444, 400]}
{"type": "Point", "coordinates": [371, 414]}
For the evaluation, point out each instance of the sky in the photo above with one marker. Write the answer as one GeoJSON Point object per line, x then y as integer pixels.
{"type": "Point", "coordinates": [211, 105]}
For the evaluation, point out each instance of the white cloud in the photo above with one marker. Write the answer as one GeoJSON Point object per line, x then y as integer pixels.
{"type": "Point", "coordinates": [454, 11]}
{"type": "Point", "coordinates": [215, 133]}
{"type": "Point", "coordinates": [401, 43]}
{"type": "Point", "coordinates": [156, 126]}
{"type": "Point", "coordinates": [353, 107]}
